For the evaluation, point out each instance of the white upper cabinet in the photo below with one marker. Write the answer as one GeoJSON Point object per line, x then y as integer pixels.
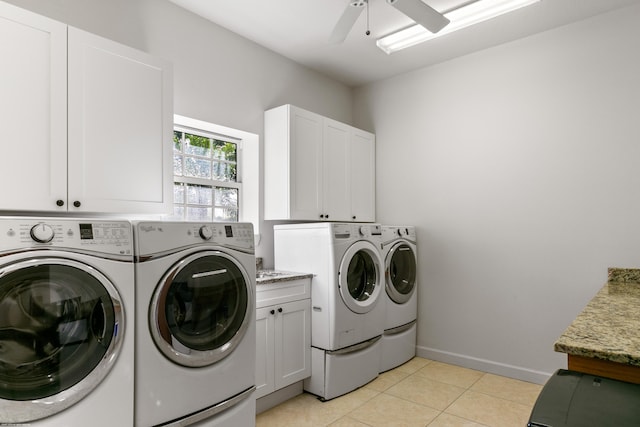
{"type": "Point", "coordinates": [120, 127]}
{"type": "Point", "coordinates": [316, 168]}
{"type": "Point", "coordinates": [87, 122]}
{"type": "Point", "coordinates": [33, 110]}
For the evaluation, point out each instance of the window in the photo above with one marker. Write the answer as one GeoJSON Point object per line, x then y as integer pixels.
{"type": "Point", "coordinates": [232, 191]}
{"type": "Point", "coordinates": [205, 168]}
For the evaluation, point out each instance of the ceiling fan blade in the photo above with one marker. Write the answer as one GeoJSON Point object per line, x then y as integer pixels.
{"type": "Point", "coordinates": [422, 13]}
{"type": "Point", "coordinates": [346, 21]}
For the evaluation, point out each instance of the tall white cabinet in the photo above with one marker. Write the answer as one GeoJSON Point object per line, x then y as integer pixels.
{"type": "Point", "coordinates": [87, 122]}
{"type": "Point", "coordinates": [317, 168]}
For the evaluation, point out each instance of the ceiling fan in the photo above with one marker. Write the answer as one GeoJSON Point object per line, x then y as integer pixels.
{"type": "Point", "coordinates": [417, 10]}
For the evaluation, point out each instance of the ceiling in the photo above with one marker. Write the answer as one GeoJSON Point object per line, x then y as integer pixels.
{"type": "Point", "coordinates": [300, 29]}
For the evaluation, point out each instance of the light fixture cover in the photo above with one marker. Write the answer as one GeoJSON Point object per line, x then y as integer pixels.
{"type": "Point", "coordinates": [473, 13]}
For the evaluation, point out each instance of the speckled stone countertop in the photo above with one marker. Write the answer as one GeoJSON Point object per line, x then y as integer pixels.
{"type": "Point", "coordinates": [265, 277]}
{"type": "Point", "coordinates": [609, 326]}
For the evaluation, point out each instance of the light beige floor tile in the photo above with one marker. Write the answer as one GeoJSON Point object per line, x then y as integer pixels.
{"type": "Point", "coordinates": [426, 391]}
{"type": "Point", "coordinates": [386, 411]}
{"type": "Point", "coordinates": [450, 374]}
{"type": "Point", "coordinates": [489, 410]}
{"type": "Point", "coordinates": [306, 410]}
{"type": "Point", "coordinates": [348, 422]}
{"type": "Point", "coordinates": [386, 380]}
{"type": "Point", "coordinates": [448, 420]}
{"type": "Point", "coordinates": [508, 388]}
{"type": "Point", "coordinates": [413, 365]}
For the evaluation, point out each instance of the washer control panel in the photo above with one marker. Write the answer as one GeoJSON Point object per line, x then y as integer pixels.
{"type": "Point", "coordinates": [106, 236]}
{"type": "Point", "coordinates": [156, 236]}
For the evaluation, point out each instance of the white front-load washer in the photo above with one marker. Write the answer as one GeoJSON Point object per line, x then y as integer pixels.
{"type": "Point", "coordinates": [346, 317]}
{"type": "Point", "coordinates": [400, 299]}
{"type": "Point", "coordinates": [195, 326]}
{"type": "Point", "coordinates": [66, 322]}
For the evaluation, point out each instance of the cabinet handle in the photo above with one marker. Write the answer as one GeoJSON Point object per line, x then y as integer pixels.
{"type": "Point", "coordinates": [272, 312]}
{"type": "Point", "coordinates": [280, 310]}
{"type": "Point", "coordinates": [327, 216]}
{"type": "Point", "coordinates": [321, 216]}
{"type": "Point", "coordinates": [60, 202]}
{"type": "Point", "coordinates": [353, 217]}
{"type": "Point", "coordinates": [76, 204]}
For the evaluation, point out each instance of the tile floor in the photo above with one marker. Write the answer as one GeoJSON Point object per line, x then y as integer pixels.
{"type": "Point", "coordinates": [421, 393]}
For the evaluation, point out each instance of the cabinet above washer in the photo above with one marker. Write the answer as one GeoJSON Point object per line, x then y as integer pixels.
{"type": "Point", "coordinates": [87, 121]}
{"type": "Point", "coordinates": [316, 168]}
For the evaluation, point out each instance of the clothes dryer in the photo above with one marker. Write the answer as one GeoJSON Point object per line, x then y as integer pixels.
{"type": "Point", "coordinates": [347, 320]}
{"type": "Point", "coordinates": [195, 329]}
{"type": "Point", "coordinates": [400, 299]}
{"type": "Point", "coordinates": [66, 322]}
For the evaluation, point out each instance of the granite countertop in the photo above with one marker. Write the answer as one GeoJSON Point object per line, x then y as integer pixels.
{"type": "Point", "coordinates": [609, 326]}
{"type": "Point", "coordinates": [265, 277]}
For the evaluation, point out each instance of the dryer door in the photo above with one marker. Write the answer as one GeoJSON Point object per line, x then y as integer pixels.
{"type": "Point", "coordinates": [359, 277]}
{"type": "Point", "coordinates": [201, 309]}
{"type": "Point", "coordinates": [61, 325]}
{"type": "Point", "coordinates": [400, 273]}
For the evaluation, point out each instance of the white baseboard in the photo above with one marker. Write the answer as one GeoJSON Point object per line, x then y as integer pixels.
{"type": "Point", "coordinates": [484, 365]}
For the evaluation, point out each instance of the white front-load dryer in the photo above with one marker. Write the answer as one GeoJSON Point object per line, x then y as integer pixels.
{"type": "Point", "coordinates": [195, 329]}
{"type": "Point", "coordinates": [400, 299]}
{"type": "Point", "coordinates": [66, 322]}
{"type": "Point", "coordinates": [347, 320]}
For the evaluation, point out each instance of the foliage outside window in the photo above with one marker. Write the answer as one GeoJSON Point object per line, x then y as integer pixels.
{"type": "Point", "coordinates": [205, 168]}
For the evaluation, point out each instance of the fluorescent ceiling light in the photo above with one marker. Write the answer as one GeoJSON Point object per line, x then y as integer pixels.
{"type": "Point", "coordinates": [478, 11]}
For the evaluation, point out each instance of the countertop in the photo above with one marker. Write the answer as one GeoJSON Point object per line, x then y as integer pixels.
{"type": "Point", "coordinates": [265, 277]}
{"type": "Point", "coordinates": [609, 326]}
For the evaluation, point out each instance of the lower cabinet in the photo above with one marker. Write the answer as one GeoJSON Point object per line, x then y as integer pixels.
{"type": "Point", "coordinates": [283, 345]}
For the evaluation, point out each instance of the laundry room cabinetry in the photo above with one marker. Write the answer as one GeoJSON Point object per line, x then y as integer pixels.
{"type": "Point", "coordinates": [316, 168]}
{"type": "Point", "coordinates": [87, 122]}
{"type": "Point", "coordinates": [283, 334]}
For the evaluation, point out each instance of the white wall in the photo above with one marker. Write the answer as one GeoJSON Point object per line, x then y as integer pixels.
{"type": "Point", "coordinates": [219, 76]}
{"type": "Point", "coordinates": [519, 166]}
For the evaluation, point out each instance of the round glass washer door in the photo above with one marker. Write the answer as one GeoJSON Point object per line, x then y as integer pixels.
{"type": "Point", "coordinates": [201, 309]}
{"type": "Point", "coordinates": [359, 277]}
{"type": "Point", "coordinates": [400, 273]}
{"type": "Point", "coordinates": [61, 327]}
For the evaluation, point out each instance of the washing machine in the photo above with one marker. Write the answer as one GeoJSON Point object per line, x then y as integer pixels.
{"type": "Point", "coordinates": [400, 299]}
{"type": "Point", "coordinates": [66, 322]}
{"type": "Point", "coordinates": [347, 320]}
{"type": "Point", "coordinates": [195, 324]}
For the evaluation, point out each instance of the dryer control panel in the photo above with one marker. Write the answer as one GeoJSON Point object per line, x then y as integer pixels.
{"type": "Point", "coordinates": [104, 236]}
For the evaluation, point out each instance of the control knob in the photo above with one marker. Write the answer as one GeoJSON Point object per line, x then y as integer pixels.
{"type": "Point", "coordinates": [42, 233]}
{"type": "Point", "coordinates": [205, 232]}
{"type": "Point", "coordinates": [364, 230]}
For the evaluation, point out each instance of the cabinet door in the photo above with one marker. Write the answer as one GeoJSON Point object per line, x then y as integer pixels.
{"type": "Point", "coordinates": [363, 176]}
{"type": "Point", "coordinates": [33, 111]}
{"type": "Point", "coordinates": [306, 164]}
{"type": "Point", "coordinates": [337, 187]}
{"type": "Point", "coordinates": [264, 352]}
{"type": "Point", "coordinates": [292, 342]}
{"type": "Point", "coordinates": [120, 127]}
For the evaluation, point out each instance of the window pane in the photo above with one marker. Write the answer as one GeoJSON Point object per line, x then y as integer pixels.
{"type": "Point", "coordinates": [177, 141]}
{"type": "Point", "coordinates": [197, 145]}
{"type": "Point", "coordinates": [200, 168]}
{"type": "Point", "coordinates": [177, 164]}
{"type": "Point", "coordinates": [226, 214]}
{"type": "Point", "coordinates": [199, 214]}
{"type": "Point", "coordinates": [227, 197]}
{"type": "Point", "coordinates": [199, 195]}
{"type": "Point", "coordinates": [224, 150]}
{"type": "Point", "coordinates": [178, 212]}
{"type": "Point", "coordinates": [178, 193]}
{"type": "Point", "coordinates": [224, 171]}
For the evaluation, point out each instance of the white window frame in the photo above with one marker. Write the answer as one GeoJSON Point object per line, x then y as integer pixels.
{"type": "Point", "coordinates": [247, 164]}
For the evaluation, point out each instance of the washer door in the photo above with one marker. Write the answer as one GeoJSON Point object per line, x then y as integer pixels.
{"type": "Point", "coordinates": [201, 309]}
{"type": "Point", "coordinates": [359, 277]}
{"type": "Point", "coordinates": [61, 325]}
{"type": "Point", "coordinates": [400, 273]}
